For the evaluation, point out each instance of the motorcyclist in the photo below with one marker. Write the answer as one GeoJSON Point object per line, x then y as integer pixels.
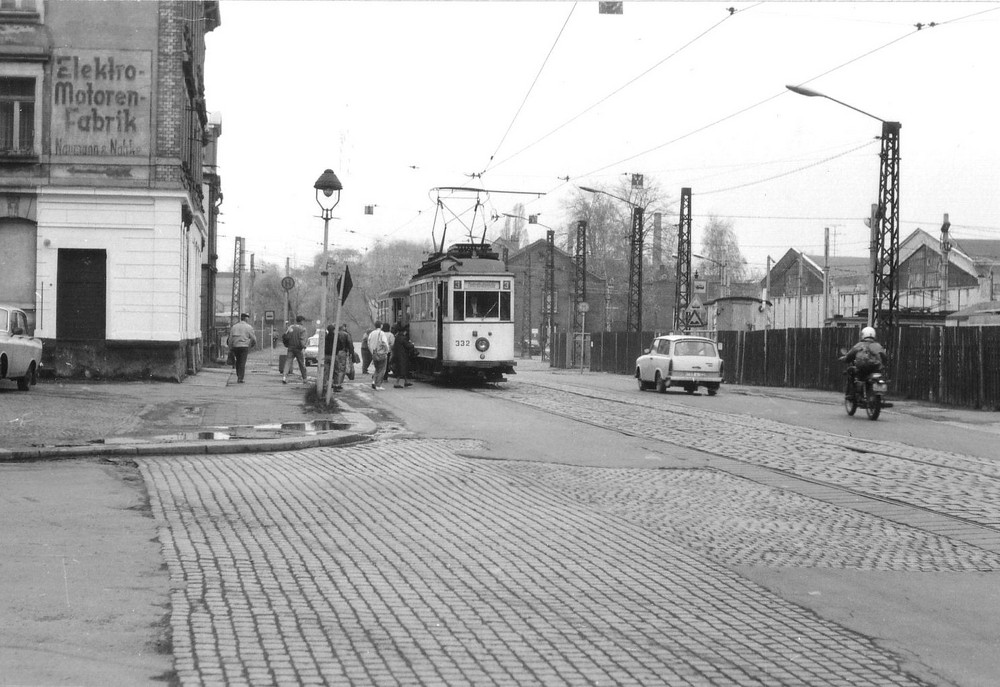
{"type": "Point", "coordinates": [864, 358]}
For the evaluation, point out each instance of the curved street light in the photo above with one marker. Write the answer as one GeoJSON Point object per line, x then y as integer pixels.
{"type": "Point", "coordinates": [884, 223]}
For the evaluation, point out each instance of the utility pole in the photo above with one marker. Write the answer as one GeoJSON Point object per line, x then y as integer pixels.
{"type": "Point", "coordinates": [635, 272]}
{"type": "Point", "coordinates": [253, 278]}
{"type": "Point", "coordinates": [826, 275]}
{"type": "Point", "coordinates": [945, 261]}
{"type": "Point", "coordinates": [549, 300]}
{"type": "Point", "coordinates": [682, 291]}
{"type": "Point", "coordinates": [287, 297]}
{"type": "Point", "coordinates": [579, 271]}
{"type": "Point", "coordinates": [236, 302]}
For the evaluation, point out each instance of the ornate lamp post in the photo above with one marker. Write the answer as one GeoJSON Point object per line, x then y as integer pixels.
{"type": "Point", "coordinates": [326, 186]}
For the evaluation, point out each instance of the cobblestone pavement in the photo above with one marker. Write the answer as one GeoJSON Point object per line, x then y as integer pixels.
{"type": "Point", "coordinates": [403, 562]}
{"type": "Point", "coordinates": [960, 486]}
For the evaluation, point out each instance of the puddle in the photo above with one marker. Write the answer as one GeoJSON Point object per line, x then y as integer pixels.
{"type": "Point", "coordinates": [267, 431]}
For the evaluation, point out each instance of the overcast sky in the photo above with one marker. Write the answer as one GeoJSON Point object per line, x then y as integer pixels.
{"type": "Point", "coordinates": [402, 97]}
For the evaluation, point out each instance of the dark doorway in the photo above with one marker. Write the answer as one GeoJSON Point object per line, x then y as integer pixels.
{"type": "Point", "coordinates": [81, 294]}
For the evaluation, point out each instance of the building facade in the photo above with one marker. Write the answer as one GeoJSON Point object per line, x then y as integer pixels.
{"type": "Point", "coordinates": [103, 215]}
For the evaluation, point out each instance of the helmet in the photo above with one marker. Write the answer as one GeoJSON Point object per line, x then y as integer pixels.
{"type": "Point", "coordinates": [868, 333]}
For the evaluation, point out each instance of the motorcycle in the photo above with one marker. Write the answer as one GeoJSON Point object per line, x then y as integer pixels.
{"type": "Point", "coordinates": [868, 391]}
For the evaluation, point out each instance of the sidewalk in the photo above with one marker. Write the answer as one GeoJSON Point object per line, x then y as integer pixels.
{"type": "Point", "coordinates": [205, 413]}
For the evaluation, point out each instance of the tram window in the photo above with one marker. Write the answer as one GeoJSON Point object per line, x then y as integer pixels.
{"type": "Point", "coordinates": [505, 305]}
{"type": "Point", "coordinates": [459, 313]}
{"type": "Point", "coordinates": [482, 304]}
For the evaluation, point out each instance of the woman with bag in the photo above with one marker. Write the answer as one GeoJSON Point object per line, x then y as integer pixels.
{"type": "Point", "coordinates": [402, 353]}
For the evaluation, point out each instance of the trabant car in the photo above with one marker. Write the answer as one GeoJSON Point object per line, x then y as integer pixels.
{"type": "Point", "coordinates": [680, 360]}
{"type": "Point", "coordinates": [311, 352]}
{"type": "Point", "coordinates": [20, 352]}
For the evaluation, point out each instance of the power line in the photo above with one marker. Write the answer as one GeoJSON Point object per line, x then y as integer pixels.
{"type": "Point", "coordinates": [531, 88]}
{"type": "Point", "coordinates": [788, 173]}
{"type": "Point", "coordinates": [618, 90]}
{"type": "Point", "coordinates": [746, 109]}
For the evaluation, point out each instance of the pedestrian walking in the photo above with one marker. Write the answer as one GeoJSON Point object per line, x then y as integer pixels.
{"type": "Point", "coordinates": [390, 337]}
{"type": "Point", "coordinates": [295, 339]}
{"type": "Point", "coordinates": [241, 340]}
{"type": "Point", "coordinates": [378, 343]}
{"type": "Point", "coordinates": [402, 353]}
{"type": "Point", "coordinates": [343, 356]}
{"type": "Point", "coordinates": [366, 353]}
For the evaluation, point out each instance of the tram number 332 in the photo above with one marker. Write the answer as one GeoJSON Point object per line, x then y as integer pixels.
{"type": "Point", "coordinates": [462, 342]}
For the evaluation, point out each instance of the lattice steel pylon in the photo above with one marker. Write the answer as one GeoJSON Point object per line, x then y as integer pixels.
{"type": "Point", "coordinates": [579, 272]}
{"type": "Point", "coordinates": [885, 294]}
{"type": "Point", "coordinates": [634, 318]}
{"type": "Point", "coordinates": [234, 309]}
{"type": "Point", "coordinates": [549, 295]}
{"type": "Point", "coordinates": [682, 288]}
{"type": "Point", "coordinates": [526, 310]}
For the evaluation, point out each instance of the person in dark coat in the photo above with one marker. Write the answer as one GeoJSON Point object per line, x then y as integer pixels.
{"type": "Point", "coordinates": [402, 352]}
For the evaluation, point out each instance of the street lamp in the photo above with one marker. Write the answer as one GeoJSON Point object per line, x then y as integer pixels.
{"type": "Point", "coordinates": [634, 317]}
{"type": "Point", "coordinates": [326, 186]}
{"type": "Point", "coordinates": [883, 296]}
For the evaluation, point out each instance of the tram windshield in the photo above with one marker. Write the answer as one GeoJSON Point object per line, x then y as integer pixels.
{"type": "Point", "coordinates": [481, 305]}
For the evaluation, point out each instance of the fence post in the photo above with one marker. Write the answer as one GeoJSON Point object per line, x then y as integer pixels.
{"type": "Point", "coordinates": [981, 400]}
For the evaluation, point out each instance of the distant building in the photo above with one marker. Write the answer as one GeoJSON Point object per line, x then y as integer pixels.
{"type": "Point", "coordinates": [103, 213]}
{"type": "Point", "coordinates": [796, 283]}
{"type": "Point", "coordinates": [528, 266]}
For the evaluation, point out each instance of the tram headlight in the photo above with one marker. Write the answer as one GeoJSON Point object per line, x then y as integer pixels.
{"type": "Point", "coordinates": [482, 344]}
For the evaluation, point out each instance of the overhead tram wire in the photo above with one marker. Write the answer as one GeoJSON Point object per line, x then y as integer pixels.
{"type": "Point", "coordinates": [789, 172]}
{"type": "Point", "coordinates": [745, 109]}
{"type": "Point", "coordinates": [619, 89]}
{"type": "Point", "coordinates": [530, 89]}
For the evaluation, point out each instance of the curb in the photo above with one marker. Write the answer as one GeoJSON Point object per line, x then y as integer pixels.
{"type": "Point", "coordinates": [361, 430]}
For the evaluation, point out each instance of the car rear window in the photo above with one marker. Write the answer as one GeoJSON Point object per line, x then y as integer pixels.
{"type": "Point", "coordinates": [701, 348]}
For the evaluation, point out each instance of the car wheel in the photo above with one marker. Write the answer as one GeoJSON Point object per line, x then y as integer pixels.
{"type": "Point", "coordinates": [661, 384]}
{"type": "Point", "coordinates": [712, 391]}
{"type": "Point", "coordinates": [642, 385]}
{"type": "Point", "coordinates": [690, 389]}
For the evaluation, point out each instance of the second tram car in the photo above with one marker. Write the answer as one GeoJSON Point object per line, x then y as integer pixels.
{"type": "Point", "coordinates": [459, 307]}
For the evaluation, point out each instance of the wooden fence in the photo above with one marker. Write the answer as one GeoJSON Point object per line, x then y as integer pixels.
{"type": "Point", "coordinates": [958, 366]}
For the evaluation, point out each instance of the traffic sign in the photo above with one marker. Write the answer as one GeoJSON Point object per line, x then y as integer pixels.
{"type": "Point", "coordinates": [269, 316]}
{"type": "Point", "coordinates": [287, 283]}
{"type": "Point", "coordinates": [583, 306]}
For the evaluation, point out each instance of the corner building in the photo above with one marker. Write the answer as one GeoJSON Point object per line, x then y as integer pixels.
{"type": "Point", "coordinates": [103, 217]}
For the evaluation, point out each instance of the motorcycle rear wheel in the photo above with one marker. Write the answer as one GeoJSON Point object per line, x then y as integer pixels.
{"type": "Point", "coordinates": [873, 406]}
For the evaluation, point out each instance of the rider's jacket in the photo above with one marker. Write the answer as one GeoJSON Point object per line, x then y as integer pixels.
{"type": "Point", "coordinates": [867, 356]}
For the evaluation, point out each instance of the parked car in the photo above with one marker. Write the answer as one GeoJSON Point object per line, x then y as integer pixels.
{"type": "Point", "coordinates": [680, 360]}
{"type": "Point", "coordinates": [20, 352]}
{"type": "Point", "coordinates": [311, 351]}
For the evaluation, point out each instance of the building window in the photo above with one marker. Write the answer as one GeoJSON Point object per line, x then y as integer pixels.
{"type": "Point", "coordinates": [17, 115]}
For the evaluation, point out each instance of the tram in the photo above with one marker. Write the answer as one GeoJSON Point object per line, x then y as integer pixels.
{"type": "Point", "coordinates": [459, 307]}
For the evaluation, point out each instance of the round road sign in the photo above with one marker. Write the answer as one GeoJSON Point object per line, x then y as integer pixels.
{"type": "Point", "coordinates": [287, 283]}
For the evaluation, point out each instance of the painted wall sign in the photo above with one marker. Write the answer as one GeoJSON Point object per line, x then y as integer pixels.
{"type": "Point", "coordinates": [101, 103]}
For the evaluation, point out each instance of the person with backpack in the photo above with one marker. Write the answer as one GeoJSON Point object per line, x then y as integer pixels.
{"type": "Point", "coordinates": [295, 339]}
{"type": "Point", "coordinates": [865, 357]}
{"type": "Point", "coordinates": [378, 344]}
{"type": "Point", "coordinates": [366, 353]}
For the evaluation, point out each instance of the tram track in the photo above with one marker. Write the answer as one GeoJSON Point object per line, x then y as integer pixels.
{"type": "Point", "coordinates": [962, 491]}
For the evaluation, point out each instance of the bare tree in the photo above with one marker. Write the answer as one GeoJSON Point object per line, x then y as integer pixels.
{"type": "Point", "coordinates": [722, 250]}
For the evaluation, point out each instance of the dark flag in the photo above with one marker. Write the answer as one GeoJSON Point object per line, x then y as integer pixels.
{"type": "Point", "coordinates": [346, 286]}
